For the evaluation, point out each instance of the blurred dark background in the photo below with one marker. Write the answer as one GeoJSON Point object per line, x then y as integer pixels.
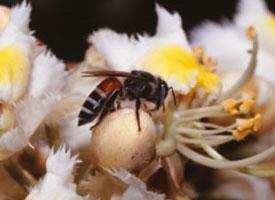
{"type": "Point", "coordinates": [65, 24]}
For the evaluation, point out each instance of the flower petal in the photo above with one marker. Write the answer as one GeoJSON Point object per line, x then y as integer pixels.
{"type": "Point", "coordinates": [48, 75]}
{"type": "Point", "coordinates": [58, 181]}
{"type": "Point", "coordinates": [30, 113]}
{"type": "Point", "coordinates": [137, 189]}
{"type": "Point", "coordinates": [117, 49]}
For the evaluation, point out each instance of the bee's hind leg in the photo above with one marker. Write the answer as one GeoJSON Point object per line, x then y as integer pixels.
{"type": "Point", "coordinates": [107, 107]}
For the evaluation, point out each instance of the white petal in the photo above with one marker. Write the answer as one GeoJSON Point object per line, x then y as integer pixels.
{"type": "Point", "coordinates": [30, 113]}
{"type": "Point", "coordinates": [61, 163]}
{"type": "Point", "coordinates": [75, 136]}
{"type": "Point", "coordinates": [241, 186]}
{"type": "Point", "coordinates": [123, 52]}
{"type": "Point", "coordinates": [48, 75]}
{"type": "Point", "coordinates": [167, 22]}
{"type": "Point", "coordinates": [17, 30]}
{"type": "Point", "coordinates": [170, 27]}
{"type": "Point", "coordinates": [58, 181]}
{"type": "Point", "coordinates": [252, 7]}
{"type": "Point", "coordinates": [169, 32]}
{"type": "Point", "coordinates": [77, 84]}
{"type": "Point", "coordinates": [224, 43]}
{"type": "Point", "coordinates": [229, 48]}
{"type": "Point", "coordinates": [117, 49]}
{"type": "Point", "coordinates": [256, 13]}
{"type": "Point", "coordinates": [20, 16]}
{"type": "Point", "coordinates": [137, 189]}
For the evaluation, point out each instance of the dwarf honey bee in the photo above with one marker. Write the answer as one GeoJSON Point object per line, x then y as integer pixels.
{"type": "Point", "coordinates": [137, 86]}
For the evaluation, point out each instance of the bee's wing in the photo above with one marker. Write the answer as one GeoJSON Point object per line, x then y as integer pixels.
{"type": "Point", "coordinates": [110, 74]}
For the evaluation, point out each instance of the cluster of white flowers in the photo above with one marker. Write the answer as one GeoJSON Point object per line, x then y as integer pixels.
{"type": "Point", "coordinates": [27, 91]}
{"type": "Point", "coordinates": [40, 101]}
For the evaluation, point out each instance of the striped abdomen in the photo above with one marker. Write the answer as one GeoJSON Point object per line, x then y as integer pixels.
{"type": "Point", "coordinates": [97, 99]}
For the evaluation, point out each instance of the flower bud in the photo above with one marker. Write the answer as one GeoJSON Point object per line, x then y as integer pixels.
{"type": "Point", "coordinates": [117, 142]}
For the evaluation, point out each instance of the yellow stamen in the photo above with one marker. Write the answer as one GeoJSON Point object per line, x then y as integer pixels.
{"type": "Point", "coordinates": [246, 106]}
{"type": "Point", "coordinates": [246, 126]}
{"type": "Point", "coordinates": [204, 59]}
{"type": "Point", "coordinates": [257, 122]}
{"type": "Point", "coordinates": [250, 32]}
{"type": "Point", "coordinates": [229, 106]}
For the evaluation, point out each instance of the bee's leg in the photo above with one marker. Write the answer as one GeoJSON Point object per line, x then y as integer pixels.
{"type": "Point", "coordinates": [147, 110]}
{"type": "Point", "coordinates": [104, 112]}
{"type": "Point", "coordinates": [137, 113]}
{"type": "Point", "coordinates": [163, 107]}
{"type": "Point", "coordinates": [118, 105]}
{"type": "Point", "coordinates": [156, 108]}
{"type": "Point", "coordinates": [121, 95]}
{"type": "Point", "coordinates": [107, 107]}
{"type": "Point", "coordinates": [174, 95]}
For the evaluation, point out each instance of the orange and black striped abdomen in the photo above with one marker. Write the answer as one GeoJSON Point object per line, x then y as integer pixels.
{"type": "Point", "coordinates": [97, 99]}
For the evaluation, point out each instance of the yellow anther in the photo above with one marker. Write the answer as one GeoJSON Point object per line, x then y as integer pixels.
{"type": "Point", "coordinates": [246, 106]}
{"type": "Point", "coordinates": [204, 59]}
{"type": "Point", "coordinates": [257, 122]}
{"type": "Point", "coordinates": [250, 32]}
{"type": "Point", "coordinates": [229, 106]}
{"type": "Point", "coordinates": [246, 126]}
{"type": "Point", "coordinates": [240, 135]}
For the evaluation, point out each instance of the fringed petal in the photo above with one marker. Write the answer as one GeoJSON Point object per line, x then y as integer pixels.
{"type": "Point", "coordinates": [58, 181]}
{"type": "Point", "coordinates": [48, 75]}
{"type": "Point", "coordinates": [118, 49]}
{"type": "Point", "coordinates": [30, 113]}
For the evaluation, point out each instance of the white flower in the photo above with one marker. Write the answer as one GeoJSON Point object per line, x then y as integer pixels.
{"type": "Point", "coordinates": [58, 181]}
{"type": "Point", "coordinates": [75, 136]}
{"type": "Point", "coordinates": [227, 43]}
{"type": "Point", "coordinates": [30, 79]}
{"type": "Point", "coordinates": [16, 44]}
{"type": "Point", "coordinates": [166, 54]}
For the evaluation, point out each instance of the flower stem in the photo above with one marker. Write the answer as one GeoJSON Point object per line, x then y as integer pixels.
{"type": "Point", "coordinates": [204, 160]}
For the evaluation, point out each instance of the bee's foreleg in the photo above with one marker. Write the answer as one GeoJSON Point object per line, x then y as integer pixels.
{"type": "Point", "coordinates": [137, 113]}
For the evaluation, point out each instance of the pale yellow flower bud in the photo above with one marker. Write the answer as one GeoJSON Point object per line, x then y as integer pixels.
{"type": "Point", "coordinates": [117, 142]}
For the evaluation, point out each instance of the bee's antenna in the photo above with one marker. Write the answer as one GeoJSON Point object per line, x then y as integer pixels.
{"type": "Point", "coordinates": [174, 95]}
{"type": "Point", "coordinates": [105, 73]}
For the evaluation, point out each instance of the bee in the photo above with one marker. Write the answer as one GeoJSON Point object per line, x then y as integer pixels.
{"type": "Point", "coordinates": [137, 86]}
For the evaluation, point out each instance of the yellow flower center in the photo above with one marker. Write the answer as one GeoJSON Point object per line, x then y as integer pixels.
{"type": "Point", "coordinates": [14, 72]}
{"type": "Point", "coordinates": [172, 62]}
